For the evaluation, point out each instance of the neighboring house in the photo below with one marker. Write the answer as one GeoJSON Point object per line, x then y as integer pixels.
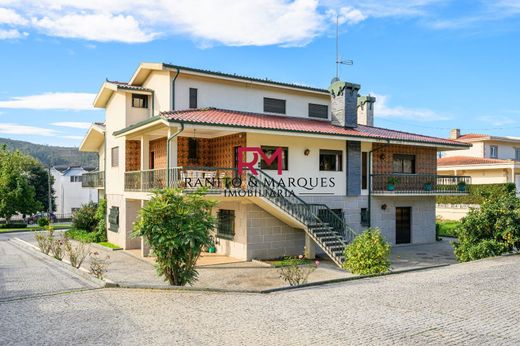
{"type": "Point", "coordinates": [490, 160]}
{"type": "Point", "coordinates": [184, 127]}
{"type": "Point", "coordinates": [70, 194]}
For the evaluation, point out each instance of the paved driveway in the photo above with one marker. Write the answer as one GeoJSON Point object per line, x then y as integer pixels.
{"type": "Point", "coordinates": [471, 303]}
{"type": "Point", "coordinates": [23, 273]}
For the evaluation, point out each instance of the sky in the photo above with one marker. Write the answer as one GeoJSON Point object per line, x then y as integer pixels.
{"type": "Point", "coordinates": [433, 65]}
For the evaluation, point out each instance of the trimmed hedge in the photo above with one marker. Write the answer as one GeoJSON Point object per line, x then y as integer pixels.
{"type": "Point", "coordinates": [478, 193]}
{"type": "Point", "coordinates": [13, 225]}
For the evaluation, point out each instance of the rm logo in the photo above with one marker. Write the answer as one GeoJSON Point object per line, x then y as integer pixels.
{"type": "Point", "coordinates": [257, 153]}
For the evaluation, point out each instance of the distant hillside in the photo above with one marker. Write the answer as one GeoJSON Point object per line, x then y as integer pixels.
{"type": "Point", "coordinates": [53, 155]}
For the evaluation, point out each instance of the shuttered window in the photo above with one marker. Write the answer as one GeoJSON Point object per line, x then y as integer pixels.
{"type": "Point", "coordinates": [139, 101]}
{"type": "Point", "coordinates": [115, 156]}
{"type": "Point", "coordinates": [318, 111]}
{"type": "Point", "coordinates": [193, 98]}
{"type": "Point", "coordinates": [274, 105]}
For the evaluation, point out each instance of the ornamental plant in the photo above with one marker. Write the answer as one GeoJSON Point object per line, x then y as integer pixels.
{"type": "Point", "coordinates": [85, 217]}
{"type": "Point", "coordinates": [177, 226]}
{"type": "Point", "coordinates": [368, 254]}
{"type": "Point", "coordinates": [295, 272]}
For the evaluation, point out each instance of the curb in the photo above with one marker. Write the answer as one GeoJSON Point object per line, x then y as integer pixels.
{"type": "Point", "coordinates": [104, 248]}
{"type": "Point", "coordinates": [63, 264]}
{"type": "Point", "coordinates": [28, 230]}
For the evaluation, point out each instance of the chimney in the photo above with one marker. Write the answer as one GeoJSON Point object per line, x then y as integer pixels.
{"type": "Point", "coordinates": [454, 133]}
{"type": "Point", "coordinates": [344, 103]}
{"type": "Point", "coordinates": [365, 110]}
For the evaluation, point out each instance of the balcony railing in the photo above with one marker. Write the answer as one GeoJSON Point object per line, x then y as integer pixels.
{"type": "Point", "coordinates": [93, 179]}
{"type": "Point", "coordinates": [188, 178]}
{"type": "Point", "coordinates": [419, 184]}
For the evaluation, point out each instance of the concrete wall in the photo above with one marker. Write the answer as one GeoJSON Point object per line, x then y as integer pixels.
{"type": "Point", "coordinates": [423, 217]}
{"type": "Point", "coordinates": [477, 150]}
{"type": "Point", "coordinates": [506, 151]}
{"type": "Point", "coordinates": [453, 211]}
{"type": "Point", "coordinates": [69, 194]}
{"type": "Point", "coordinates": [243, 96]}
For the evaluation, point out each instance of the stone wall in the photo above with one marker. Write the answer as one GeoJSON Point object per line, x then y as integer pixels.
{"type": "Point", "coordinates": [425, 158]}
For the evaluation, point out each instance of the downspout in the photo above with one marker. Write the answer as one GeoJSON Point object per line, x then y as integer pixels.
{"type": "Point", "coordinates": [173, 88]}
{"type": "Point", "coordinates": [370, 182]}
{"type": "Point", "coordinates": [170, 138]}
{"type": "Point", "coordinates": [153, 102]}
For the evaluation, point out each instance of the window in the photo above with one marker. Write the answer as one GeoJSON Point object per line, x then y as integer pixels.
{"type": "Point", "coordinates": [404, 164]}
{"type": "Point", "coordinates": [364, 170]}
{"type": "Point", "coordinates": [364, 217]}
{"type": "Point", "coordinates": [493, 151]}
{"type": "Point", "coordinates": [274, 105]}
{"type": "Point", "coordinates": [318, 111]}
{"type": "Point", "coordinates": [193, 98]}
{"type": "Point", "coordinates": [226, 224]}
{"type": "Point", "coordinates": [139, 101]}
{"type": "Point", "coordinates": [274, 165]}
{"type": "Point", "coordinates": [517, 154]}
{"type": "Point", "coordinates": [75, 178]}
{"type": "Point", "coordinates": [113, 219]}
{"type": "Point", "coordinates": [331, 160]}
{"type": "Point", "coordinates": [192, 149]}
{"type": "Point", "coordinates": [115, 156]}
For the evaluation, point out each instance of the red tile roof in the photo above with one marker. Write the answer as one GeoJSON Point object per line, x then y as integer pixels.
{"type": "Point", "coordinates": [472, 136]}
{"type": "Point", "coordinates": [468, 160]}
{"type": "Point", "coordinates": [221, 117]}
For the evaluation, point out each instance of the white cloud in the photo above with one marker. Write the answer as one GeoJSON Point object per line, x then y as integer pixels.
{"type": "Point", "coordinates": [72, 124]}
{"type": "Point", "coordinates": [11, 34]}
{"type": "Point", "coordinates": [94, 27]}
{"type": "Point", "coordinates": [11, 17]}
{"type": "Point", "coordinates": [17, 129]}
{"type": "Point", "coordinates": [73, 137]}
{"type": "Point", "coordinates": [57, 100]}
{"type": "Point", "coordinates": [382, 109]}
{"type": "Point", "coordinates": [494, 120]}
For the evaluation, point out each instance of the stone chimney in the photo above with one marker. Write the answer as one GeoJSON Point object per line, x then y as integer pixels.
{"type": "Point", "coordinates": [454, 133]}
{"type": "Point", "coordinates": [365, 110]}
{"type": "Point", "coordinates": [344, 103]}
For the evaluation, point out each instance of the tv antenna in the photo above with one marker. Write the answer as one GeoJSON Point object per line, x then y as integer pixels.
{"type": "Point", "coordinates": [339, 61]}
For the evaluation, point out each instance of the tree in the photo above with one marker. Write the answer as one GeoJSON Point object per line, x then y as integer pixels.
{"type": "Point", "coordinates": [177, 226]}
{"type": "Point", "coordinates": [16, 193]}
{"type": "Point", "coordinates": [368, 254]}
{"type": "Point", "coordinates": [38, 178]}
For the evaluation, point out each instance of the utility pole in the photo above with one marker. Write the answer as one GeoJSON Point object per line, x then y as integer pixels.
{"type": "Point", "coordinates": [49, 193]}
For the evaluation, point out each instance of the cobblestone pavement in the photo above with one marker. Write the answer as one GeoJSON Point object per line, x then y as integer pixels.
{"type": "Point", "coordinates": [472, 303]}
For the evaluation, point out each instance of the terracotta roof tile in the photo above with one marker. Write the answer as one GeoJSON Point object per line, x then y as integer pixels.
{"type": "Point", "coordinates": [222, 117]}
{"type": "Point", "coordinates": [468, 160]}
{"type": "Point", "coordinates": [472, 136]}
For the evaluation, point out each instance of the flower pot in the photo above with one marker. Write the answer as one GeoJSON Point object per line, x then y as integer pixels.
{"type": "Point", "coordinates": [428, 187]}
{"type": "Point", "coordinates": [462, 188]}
{"type": "Point", "coordinates": [390, 187]}
{"type": "Point", "coordinates": [212, 249]}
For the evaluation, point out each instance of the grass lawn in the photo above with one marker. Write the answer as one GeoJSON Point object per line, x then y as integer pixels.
{"type": "Point", "coordinates": [290, 261]}
{"type": "Point", "coordinates": [88, 237]}
{"type": "Point", "coordinates": [109, 245]}
{"type": "Point", "coordinates": [447, 228]}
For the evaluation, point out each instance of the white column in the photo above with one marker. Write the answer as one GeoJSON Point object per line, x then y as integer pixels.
{"type": "Point", "coordinates": [173, 147]}
{"type": "Point", "coordinates": [145, 153]}
{"type": "Point", "coordinates": [310, 247]}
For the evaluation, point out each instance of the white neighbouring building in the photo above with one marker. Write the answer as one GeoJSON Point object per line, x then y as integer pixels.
{"type": "Point", "coordinates": [68, 189]}
{"type": "Point", "coordinates": [171, 125]}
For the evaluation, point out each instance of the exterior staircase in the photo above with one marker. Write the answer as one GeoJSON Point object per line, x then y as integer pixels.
{"type": "Point", "coordinates": [325, 227]}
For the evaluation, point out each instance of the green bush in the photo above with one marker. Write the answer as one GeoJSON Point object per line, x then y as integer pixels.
{"type": "Point", "coordinates": [82, 235]}
{"type": "Point", "coordinates": [368, 254]}
{"type": "Point", "coordinates": [176, 226]}
{"type": "Point", "coordinates": [85, 217]}
{"type": "Point", "coordinates": [13, 225]}
{"type": "Point", "coordinates": [447, 228]}
{"type": "Point", "coordinates": [478, 194]}
{"type": "Point", "coordinates": [43, 221]}
{"type": "Point", "coordinates": [492, 230]}
{"type": "Point", "coordinates": [101, 218]}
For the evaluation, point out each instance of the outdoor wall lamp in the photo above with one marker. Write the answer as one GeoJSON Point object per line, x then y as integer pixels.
{"type": "Point", "coordinates": [382, 157]}
{"type": "Point", "coordinates": [306, 152]}
{"type": "Point", "coordinates": [384, 206]}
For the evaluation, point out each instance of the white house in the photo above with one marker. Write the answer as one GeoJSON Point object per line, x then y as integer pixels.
{"type": "Point", "coordinates": [336, 173]}
{"type": "Point", "coordinates": [70, 194]}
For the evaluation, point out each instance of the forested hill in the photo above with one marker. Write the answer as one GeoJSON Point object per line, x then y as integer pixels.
{"type": "Point", "coordinates": [53, 155]}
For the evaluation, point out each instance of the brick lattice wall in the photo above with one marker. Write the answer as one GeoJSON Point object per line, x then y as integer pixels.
{"type": "Point", "coordinates": [133, 156]}
{"type": "Point", "coordinates": [425, 158]}
{"type": "Point", "coordinates": [212, 152]}
{"type": "Point", "coordinates": [158, 146]}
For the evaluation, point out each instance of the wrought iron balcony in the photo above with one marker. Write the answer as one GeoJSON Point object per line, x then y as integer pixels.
{"type": "Point", "coordinates": [93, 179]}
{"type": "Point", "coordinates": [419, 184]}
{"type": "Point", "coordinates": [187, 178]}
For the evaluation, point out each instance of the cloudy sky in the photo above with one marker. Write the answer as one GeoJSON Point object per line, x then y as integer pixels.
{"type": "Point", "coordinates": [432, 64]}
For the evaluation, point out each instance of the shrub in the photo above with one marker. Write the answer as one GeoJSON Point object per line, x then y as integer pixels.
{"type": "Point", "coordinates": [478, 194]}
{"type": "Point", "coordinates": [45, 240]}
{"type": "Point", "coordinates": [43, 221]}
{"type": "Point", "coordinates": [98, 265]}
{"type": "Point", "coordinates": [101, 218]}
{"type": "Point", "coordinates": [176, 226]}
{"type": "Point", "coordinates": [82, 235]}
{"type": "Point", "coordinates": [85, 217]}
{"type": "Point", "coordinates": [57, 248]}
{"type": "Point", "coordinates": [13, 225]}
{"type": "Point", "coordinates": [76, 253]}
{"type": "Point", "coordinates": [492, 230]}
{"type": "Point", "coordinates": [368, 254]}
{"type": "Point", "coordinates": [294, 272]}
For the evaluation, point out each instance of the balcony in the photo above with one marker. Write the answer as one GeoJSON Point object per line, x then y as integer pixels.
{"type": "Point", "coordinates": [187, 178]}
{"type": "Point", "coordinates": [93, 179]}
{"type": "Point", "coordinates": [419, 184]}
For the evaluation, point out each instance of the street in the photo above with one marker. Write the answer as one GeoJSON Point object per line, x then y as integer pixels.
{"type": "Point", "coordinates": [472, 303]}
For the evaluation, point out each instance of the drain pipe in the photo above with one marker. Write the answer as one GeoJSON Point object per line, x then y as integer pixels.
{"type": "Point", "coordinates": [173, 88]}
{"type": "Point", "coordinates": [170, 138]}
{"type": "Point", "coordinates": [370, 181]}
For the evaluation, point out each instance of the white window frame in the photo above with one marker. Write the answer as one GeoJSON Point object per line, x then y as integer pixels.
{"type": "Point", "coordinates": [493, 151]}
